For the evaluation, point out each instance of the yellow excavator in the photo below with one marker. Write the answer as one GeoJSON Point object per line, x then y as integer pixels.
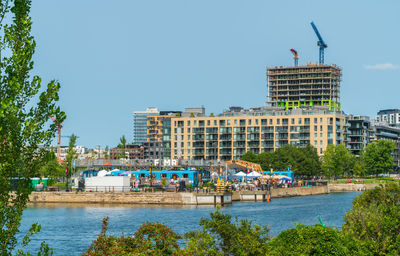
{"type": "Point", "coordinates": [246, 165]}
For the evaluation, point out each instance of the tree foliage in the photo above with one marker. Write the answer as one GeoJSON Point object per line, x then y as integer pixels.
{"type": "Point", "coordinates": [149, 239]}
{"type": "Point", "coordinates": [313, 240]}
{"type": "Point", "coordinates": [221, 236]}
{"type": "Point", "coordinates": [378, 157]}
{"type": "Point", "coordinates": [337, 160]}
{"type": "Point", "coordinates": [374, 220]}
{"type": "Point", "coordinates": [303, 161]}
{"type": "Point", "coordinates": [25, 110]}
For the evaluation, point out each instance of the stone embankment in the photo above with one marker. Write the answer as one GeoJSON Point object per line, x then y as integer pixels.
{"type": "Point", "coordinates": [350, 187]}
{"type": "Point", "coordinates": [170, 198]}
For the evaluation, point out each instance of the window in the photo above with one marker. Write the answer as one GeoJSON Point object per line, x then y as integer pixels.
{"type": "Point", "coordinates": [320, 135]}
{"type": "Point", "coordinates": [320, 150]}
{"type": "Point", "coordinates": [270, 121]}
{"type": "Point", "coordinates": [195, 122]}
{"type": "Point", "coordinates": [315, 128]}
{"type": "Point", "coordinates": [320, 120]}
{"type": "Point", "coordinates": [256, 121]}
{"type": "Point", "coordinates": [215, 122]}
{"type": "Point", "coordinates": [320, 143]}
{"type": "Point", "coordinates": [315, 120]}
{"type": "Point", "coordinates": [188, 130]}
{"type": "Point", "coordinates": [235, 122]}
{"type": "Point", "coordinates": [188, 137]}
{"type": "Point", "coordinates": [320, 127]}
{"type": "Point", "coordinates": [249, 121]}
{"type": "Point", "coordinates": [188, 144]}
{"type": "Point", "coordinates": [299, 120]}
{"type": "Point", "coordinates": [208, 122]}
{"type": "Point", "coordinates": [315, 136]}
{"type": "Point", "coordinates": [278, 121]}
{"type": "Point", "coordinates": [315, 143]}
{"type": "Point", "coordinates": [228, 122]}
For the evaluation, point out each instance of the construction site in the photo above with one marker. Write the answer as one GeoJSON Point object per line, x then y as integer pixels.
{"type": "Point", "coordinates": [304, 86]}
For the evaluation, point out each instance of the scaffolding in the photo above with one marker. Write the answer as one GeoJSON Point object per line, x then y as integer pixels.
{"type": "Point", "coordinates": [304, 86]}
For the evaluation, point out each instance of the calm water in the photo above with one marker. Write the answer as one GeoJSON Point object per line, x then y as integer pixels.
{"type": "Point", "coordinates": [69, 229]}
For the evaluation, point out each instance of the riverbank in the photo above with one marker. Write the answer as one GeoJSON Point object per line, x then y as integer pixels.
{"type": "Point", "coordinates": [351, 187]}
{"type": "Point", "coordinates": [170, 198]}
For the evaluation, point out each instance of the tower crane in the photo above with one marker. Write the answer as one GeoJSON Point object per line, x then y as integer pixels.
{"type": "Point", "coordinates": [322, 45]}
{"type": "Point", "coordinates": [295, 57]}
{"type": "Point", "coordinates": [59, 126]}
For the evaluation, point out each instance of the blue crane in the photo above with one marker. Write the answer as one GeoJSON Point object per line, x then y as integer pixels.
{"type": "Point", "coordinates": [322, 45]}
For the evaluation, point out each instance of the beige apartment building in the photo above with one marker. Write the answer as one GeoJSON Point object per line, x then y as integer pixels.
{"type": "Point", "coordinates": [231, 134]}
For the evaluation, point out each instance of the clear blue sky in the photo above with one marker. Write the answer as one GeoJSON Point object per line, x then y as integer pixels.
{"type": "Point", "coordinates": [115, 57]}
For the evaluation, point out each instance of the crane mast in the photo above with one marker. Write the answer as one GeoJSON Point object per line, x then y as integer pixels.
{"type": "Point", "coordinates": [322, 45]}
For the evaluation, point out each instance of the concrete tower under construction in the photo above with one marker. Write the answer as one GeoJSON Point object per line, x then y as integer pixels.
{"type": "Point", "coordinates": [304, 86]}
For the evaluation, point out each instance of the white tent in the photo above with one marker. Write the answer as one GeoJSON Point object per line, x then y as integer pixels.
{"type": "Point", "coordinates": [240, 175]}
{"type": "Point", "coordinates": [254, 174]}
{"type": "Point", "coordinates": [102, 173]}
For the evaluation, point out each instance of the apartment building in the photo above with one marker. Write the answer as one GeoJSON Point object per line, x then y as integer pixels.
{"type": "Point", "coordinates": [302, 86]}
{"type": "Point", "coordinates": [158, 145]}
{"type": "Point", "coordinates": [359, 133]}
{"type": "Point", "coordinates": [140, 124]}
{"type": "Point", "coordinates": [389, 116]}
{"type": "Point", "coordinates": [231, 134]}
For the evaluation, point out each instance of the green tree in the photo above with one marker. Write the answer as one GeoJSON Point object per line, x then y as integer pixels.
{"type": "Point", "coordinates": [122, 142]}
{"type": "Point", "coordinates": [307, 162]}
{"type": "Point", "coordinates": [106, 154]}
{"type": "Point", "coordinates": [374, 220]}
{"type": "Point", "coordinates": [25, 110]}
{"type": "Point", "coordinates": [378, 157]}
{"type": "Point", "coordinates": [150, 239]}
{"type": "Point", "coordinates": [122, 146]}
{"type": "Point", "coordinates": [71, 156]}
{"type": "Point", "coordinates": [249, 156]}
{"type": "Point", "coordinates": [337, 160]}
{"type": "Point", "coordinates": [221, 236]}
{"type": "Point", "coordinates": [313, 240]}
{"type": "Point", "coordinates": [51, 169]}
{"type": "Point", "coordinates": [266, 160]}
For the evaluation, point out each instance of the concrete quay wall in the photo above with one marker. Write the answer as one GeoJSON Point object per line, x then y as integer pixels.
{"type": "Point", "coordinates": [278, 192]}
{"type": "Point", "coordinates": [169, 198]}
{"type": "Point", "coordinates": [299, 191]}
{"type": "Point", "coordinates": [351, 187]}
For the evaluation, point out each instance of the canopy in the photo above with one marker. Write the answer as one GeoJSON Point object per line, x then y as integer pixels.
{"type": "Point", "coordinates": [254, 174]}
{"type": "Point", "coordinates": [285, 178]}
{"type": "Point", "coordinates": [102, 173]}
{"type": "Point", "coordinates": [240, 174]}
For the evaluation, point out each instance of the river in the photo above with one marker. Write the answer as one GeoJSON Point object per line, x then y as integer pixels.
{"type": "Point", "coordinates": [69, 229]}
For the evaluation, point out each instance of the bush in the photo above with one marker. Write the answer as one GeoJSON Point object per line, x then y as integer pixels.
{"type": "Point", "coordinates": [149, 239]}
{"type": "Point", "coordinates": [313, 240]}
{"type": "Point", "coordinates": [374, 220]}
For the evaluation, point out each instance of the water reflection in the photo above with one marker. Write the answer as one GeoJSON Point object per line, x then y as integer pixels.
{"type": "Point", "coordinates": [70, 228]}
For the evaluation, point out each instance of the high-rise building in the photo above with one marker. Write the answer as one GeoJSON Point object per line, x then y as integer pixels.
{"type": "Point", "coordinates": [304, 86]}
{"type": "Point", "coordinates": [140, 124]}
{"type": "Point", "coordinates": [389, 116]}
{"type": "Point", "coordinates": [231, 134]}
